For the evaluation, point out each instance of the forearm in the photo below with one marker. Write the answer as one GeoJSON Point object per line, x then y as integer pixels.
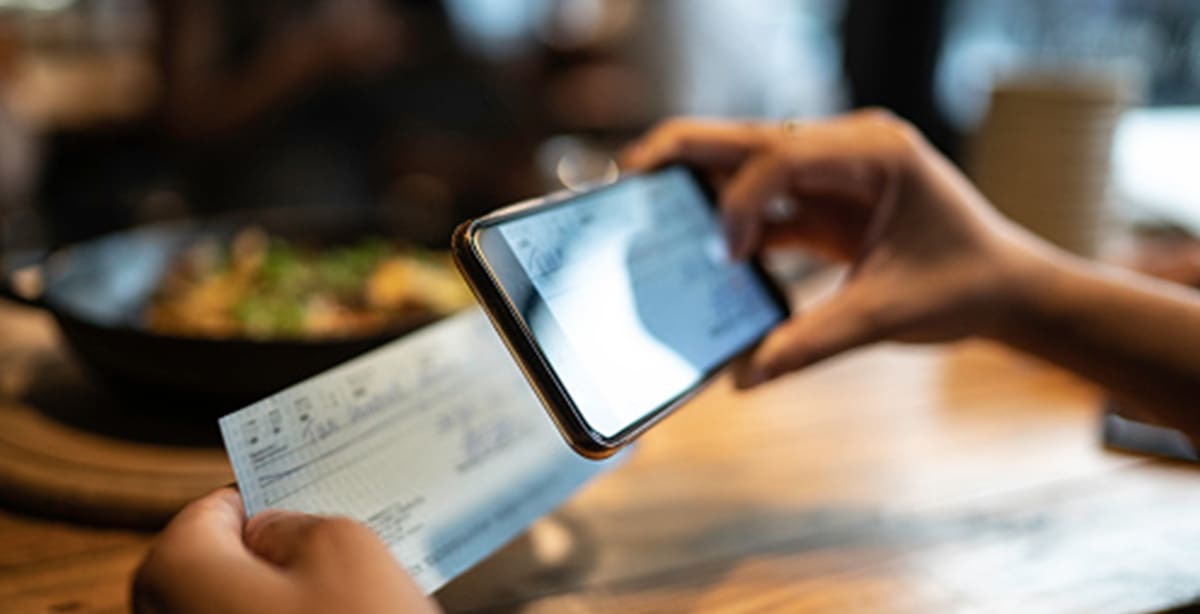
{"type": "Point", "coordinates": [1137, 337]}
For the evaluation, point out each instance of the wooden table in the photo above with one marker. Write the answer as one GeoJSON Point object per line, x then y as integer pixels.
{"type": "Point", "coordinates": [899, 479]}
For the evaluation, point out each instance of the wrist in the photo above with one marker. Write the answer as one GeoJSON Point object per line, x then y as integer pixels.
{"type": "Point", "coordinates": [1036, 277]}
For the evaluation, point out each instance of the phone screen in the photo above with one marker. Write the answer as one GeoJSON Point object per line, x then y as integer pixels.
{"type": "Point", "coordinates": [630, 294]}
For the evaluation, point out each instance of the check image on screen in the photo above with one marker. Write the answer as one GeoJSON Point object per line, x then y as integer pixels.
{"type": "Point", "coordinates": [638, 297]}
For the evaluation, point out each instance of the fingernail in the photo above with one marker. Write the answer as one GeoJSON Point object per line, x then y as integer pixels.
{"type": "Point", "coordinates": [632, 156]}
{"type": "Point", "coordinates": [737, 236]}
{"type": "Point", "coordinates": [751, 375]}
{"type": "Point", "coordinates": [730, 240]}
{"type": "Point", "coordinates": [755, 377]}
{"type": "Point", "coordinates": [265, 517]}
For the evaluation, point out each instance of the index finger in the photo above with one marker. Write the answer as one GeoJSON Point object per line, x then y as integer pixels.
{"type": "Point", "coordinates": [709, 144]}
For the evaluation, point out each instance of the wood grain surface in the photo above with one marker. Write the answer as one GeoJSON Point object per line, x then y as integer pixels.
{"type": "Point", "coordinates": [70, 450]}
{"type": "Point", "coordinates": [898, 479]}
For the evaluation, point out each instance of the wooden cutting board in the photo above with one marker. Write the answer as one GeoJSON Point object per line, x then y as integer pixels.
{"type": "Point", "coordinates": [70, 450]}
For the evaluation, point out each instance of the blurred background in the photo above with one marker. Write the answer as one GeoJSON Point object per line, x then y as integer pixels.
{"type": "Point", "coordinates": [205, 201]}
{"type": "Point", "coordinates": [209, 200]}
{"type": "Point", "coordinates": [323, 123]}
{"type": "Point", "coordinates": [121, 112]}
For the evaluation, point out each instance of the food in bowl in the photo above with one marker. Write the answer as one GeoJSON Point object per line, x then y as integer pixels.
{"type": "Point", "coordinates": [265, 287]}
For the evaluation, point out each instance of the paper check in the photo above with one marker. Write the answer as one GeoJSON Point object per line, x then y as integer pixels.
{"type": "Point", "coordinates": [435, 441]}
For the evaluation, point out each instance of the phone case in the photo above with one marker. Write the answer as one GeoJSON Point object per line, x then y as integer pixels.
{"type": "Point", "coordinates": [521, 344]}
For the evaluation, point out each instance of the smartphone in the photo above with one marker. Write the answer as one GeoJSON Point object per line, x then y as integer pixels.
{"type": "Point", "coordinates": [617, 303]}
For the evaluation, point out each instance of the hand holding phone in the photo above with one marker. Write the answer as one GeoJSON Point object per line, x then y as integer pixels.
{"type": "Point", "coordinates": [618, 303]}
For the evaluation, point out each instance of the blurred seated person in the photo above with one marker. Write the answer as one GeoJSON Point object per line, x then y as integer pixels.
{"type": "Point", "coordinates": [284, 103]}
{"type": "Point", "coordinates": [930, 261]}
{"type": "Point", "coordinates": [305, 102]}
{"type": "Point", "coordinates": [229, 65]}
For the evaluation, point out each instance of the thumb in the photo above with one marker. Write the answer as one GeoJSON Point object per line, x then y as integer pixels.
{"type": "Point", "coordinates": [294, 539]}
{"type": "Point", "coordinates": [849, 319]}
{"type": "Point", "coordinates": [279, 536]}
